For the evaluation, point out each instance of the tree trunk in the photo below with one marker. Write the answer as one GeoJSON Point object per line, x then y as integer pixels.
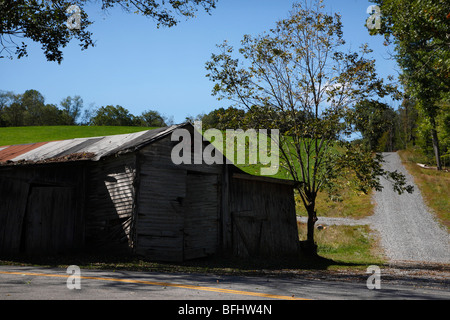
{"type": "Point", "coordinates": [309, 247]}
{"type": "Point", "coordinates": [435, 140]}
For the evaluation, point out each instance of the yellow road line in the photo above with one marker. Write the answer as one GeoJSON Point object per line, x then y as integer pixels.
{"type": "Point", "coordinates": [162, 284]}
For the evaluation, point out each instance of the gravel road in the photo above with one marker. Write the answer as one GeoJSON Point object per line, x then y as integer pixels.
{"type": "Point", "coordinates": [407, 229]}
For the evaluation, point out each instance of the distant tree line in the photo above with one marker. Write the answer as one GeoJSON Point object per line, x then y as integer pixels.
{"type": "Point", "coordinates": [382, 129]}
{"type": "Point", "coordinates": [30, 109]}
{"type": "Point", "coordinates": [236, 118]}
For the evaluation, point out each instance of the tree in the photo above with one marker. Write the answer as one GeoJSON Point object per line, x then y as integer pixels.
{"type": "Point", "coordinates": [54, 23]}
{"type": "Point", "coordinates": [297, 75]}
{"type": "Point", "coordinates": [407, 126]}
{"type": "Point", "coordinates": [112, 116]}
{"type": "Point", "coordinates": [43, 22]}
{"type": "Point", "coordinates": [376, 120]}
{"type": "Point", "coordinates": [6, 99]}
{"type": "Point", "coordinates": [32, 102]}
{"type": "Point", "coordinates": [419, 30]}
{"type": "Point", "coordinates": [13, 114]}
{"type": "Point", "coordinates": [28, 109]}
{"type": "Point", "coordinates": [71, 110]}
{"type": "Point", "coordinates": [51, 115]}
{"type": "Point", "coordinates": [152, 118]}
{"type": "Point", "coordinates": [222, 119]}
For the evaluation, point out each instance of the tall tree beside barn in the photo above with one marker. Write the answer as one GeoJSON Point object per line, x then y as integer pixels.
{"type": "Point", "coordinates": [419, 30]}
{"type": "Point", "coordinates": [299, 78]}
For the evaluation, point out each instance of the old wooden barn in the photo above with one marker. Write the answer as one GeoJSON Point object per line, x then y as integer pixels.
{"type": "Point", "coordinates": [124, 193]}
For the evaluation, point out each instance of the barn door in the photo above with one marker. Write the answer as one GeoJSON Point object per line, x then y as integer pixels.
{"type": "Point", "coordinates": [201, 215]}
{"type": "Point", "coordinates": [247, 232]}
{"type": "Point", "coordinates": [48, 226]}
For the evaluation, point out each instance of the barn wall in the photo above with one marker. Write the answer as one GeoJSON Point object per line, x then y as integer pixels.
{"type": "Point", "coordinates": [143, 202]}
{"type": "Point", "coordinates": [263, 218]}
{"type": "Point", "coordinates": [110, 203]}
{"type": "Point", "coordinates": [178, 206]}
{"type": "Point", "coordinates": [41, 208]}
{"type": "Point", "coordinates": [201, 216]}
{"type": "Point", "coordinates": [160, 218]}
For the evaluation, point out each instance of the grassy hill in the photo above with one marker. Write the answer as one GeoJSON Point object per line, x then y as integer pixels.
{"type": "Point", "coordinates": [23, 135]}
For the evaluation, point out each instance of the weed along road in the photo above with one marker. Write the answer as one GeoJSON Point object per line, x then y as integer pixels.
{"type": "Point", "coordinates": [37, 283]}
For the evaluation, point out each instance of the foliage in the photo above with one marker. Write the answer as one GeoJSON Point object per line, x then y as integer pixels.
{"type": "Point", "coordinates": [376, 121]}
{"type": "Point", "coordinates": [425, 141]}
{"type": "Point", "coordinates": [419, 30]}
{"type": "Point", "coordinates": [71, 108]}
{"type": "Point", "coordinates": [112, 116]}
{"type": "Point", "coordinates": [222, 119]}
{"type": "Point", "coordinates": [45, 21]}
{"type": "Point", "coordinates": [29, 109]}
{"type": "Point", "coordinates": [406, 129]}
{"type": "Point", "coordinates": [297, 77]}
{"type": "Point", "coordinates": [151, 118]}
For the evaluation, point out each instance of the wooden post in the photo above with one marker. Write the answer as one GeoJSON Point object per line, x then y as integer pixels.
{"type": "Point", "coordinates": [226, 228]}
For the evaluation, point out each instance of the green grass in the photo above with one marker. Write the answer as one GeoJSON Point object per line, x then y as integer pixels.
{"type": "Point", "coordinates": [353, 205]}
{"type": "Point", "coordinates": [434, 185]}
{"type": "Point", "coordinates": [24, 135]}
{"type": "Point", "coordinates": [346, 245]}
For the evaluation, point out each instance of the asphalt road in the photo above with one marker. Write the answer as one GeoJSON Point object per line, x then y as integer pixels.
{"type": "Point", "coordinates": [33, 283]}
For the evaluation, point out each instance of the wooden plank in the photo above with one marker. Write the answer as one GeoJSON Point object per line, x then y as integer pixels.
{"type": "Point", "coordinates": [264, 222]}
{"type": "Point", "coordinates": [161, 247]}
{"type": "Point", "coordinates": [262, 179]}
{"type": "Point", "coordinates": [50, 221]}
{"type": "Point", "coordinates": [160, 212]}
{"type": "Point", "coordinates": [13, 200]}
{"type": "Point", "coordinates": [202, 216]}
{"type": "Point", "coordinates": [111, 202]}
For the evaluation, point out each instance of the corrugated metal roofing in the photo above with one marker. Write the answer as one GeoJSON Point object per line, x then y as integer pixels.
{"type": "Point", "coordinates": [93, 148]}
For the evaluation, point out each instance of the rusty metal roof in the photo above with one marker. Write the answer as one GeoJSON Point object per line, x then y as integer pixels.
{"type": "Point", "coordinates": [93, 148]}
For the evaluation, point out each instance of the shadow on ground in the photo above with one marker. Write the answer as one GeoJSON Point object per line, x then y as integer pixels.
{"type": "Point", "coordinates": [216, 264]}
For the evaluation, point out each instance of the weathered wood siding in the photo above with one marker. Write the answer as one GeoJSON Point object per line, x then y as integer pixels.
{"type": "Point", "coordinates": [111, 203]}
{"type": "Point", "coordinates": [41, 208]}
{"type": "Point", "coordinates": [162, 189]}
{"type": "Point", "coordinates": [263, 218]}
{"type": "Point", "coordinates": [13, 204]}
{"type": "Point", "coordinates": [201, 220]}
{"type": "Point", "coordinates": [143, 202]}
{"type": "Point", "coordinates": [178, 206]}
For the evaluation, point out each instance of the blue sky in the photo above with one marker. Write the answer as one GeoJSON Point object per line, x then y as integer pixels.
{"type": "Point", "coordinates": [140, 67]}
